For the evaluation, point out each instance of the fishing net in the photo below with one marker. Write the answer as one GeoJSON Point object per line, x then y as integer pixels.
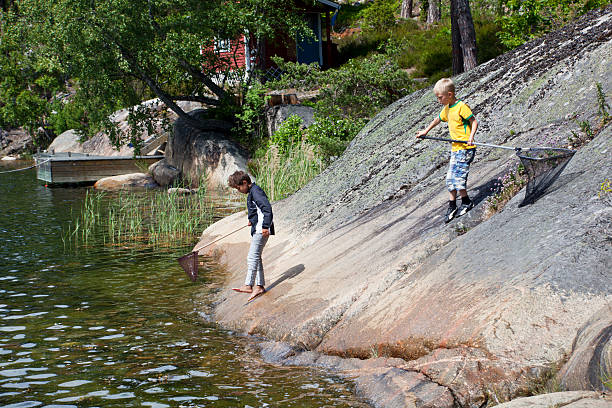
{"type": "Point", "coordinates": [543, 166]}
{"type": "Point", "coordinates": [189, 263]}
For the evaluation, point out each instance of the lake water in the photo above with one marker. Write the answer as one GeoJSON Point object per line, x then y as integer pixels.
{"type": "Point", "coordinates": [108, 326]}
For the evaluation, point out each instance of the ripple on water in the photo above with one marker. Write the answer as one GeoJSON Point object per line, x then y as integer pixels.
{"type": "Point", "coordinates": [111, 336]}
{"type": "Point", "coordinates": [26, 404]}
{"type": "Point", "coordinates": [57, 326]}
{"type": "Point", "coordinates": [12, 328]}
{"type": "Point", "coordinates": [75, 383]}
{"type": "Point", "coordinates": [154, 405]}
{"type": "Point", "coordinates": [158, 369]}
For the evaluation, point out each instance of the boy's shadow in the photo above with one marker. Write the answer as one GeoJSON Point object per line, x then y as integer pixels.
{"type": "Point", "coordinates": [289, 273]}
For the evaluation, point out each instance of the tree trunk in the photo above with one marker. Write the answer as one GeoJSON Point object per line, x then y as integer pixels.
{"type": "Point", "coordinates": [433, 11]}
{"type": "Point", "coordinates": [468, 34]}
{"type": "Point", "coordinates": [456, 40]}
{"type": "Point", "coordinates": [406, 11]}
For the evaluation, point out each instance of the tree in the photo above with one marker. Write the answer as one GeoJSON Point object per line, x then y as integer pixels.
{"type": "Point", "coordinates": [406, 10]}
{"type": "Point", "coordinates": [463, 37]}
{"type": "Point", "coordinates": [116, 48]}
{"type": "Point", "coordinates": [433, 11]}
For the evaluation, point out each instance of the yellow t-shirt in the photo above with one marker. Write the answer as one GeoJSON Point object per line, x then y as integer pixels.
{"type": "Point", "coordinates": [458, 117]}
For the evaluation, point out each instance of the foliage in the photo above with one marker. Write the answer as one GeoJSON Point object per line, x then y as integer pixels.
{"type": "Point", "coordinates": [331, 136]}
{"type": "Point", "coordinates": [350, 15]}
{"type": "Point", "coordinates": [380, 16]}
{"type": "Point", "coordinates": [119, 50]}
{"type": "Point", "coordinates": [529, 19]}
{"type": "Point", "coordinates": [357, 90]}
{"type": "Point", "coordinates": [65, 115]}
{"type": "Point", "coordinates": [281, 175]}
{"type": "Point", "coordinates": [605, 193]}
{"type": "Point", "coordinates": [251, 125]}
{"type": "Point", "coordinates": [287, 135]}
{"type": "Point", "coordinates": [507, 186]}
{"type": "Point", "coordinates": [582, 137]}
{"type": "Point", "coordinates": [29, 83]}
{"type": "Point", "coordinates": [602, 105]}
{"type": "Point", "coordinates": [155, 218]}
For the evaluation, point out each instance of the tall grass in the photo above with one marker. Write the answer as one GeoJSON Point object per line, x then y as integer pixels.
{"type": "Point", "coordinates": [280, 175]}
{"type": "Point", "coordinates": [157, 218]}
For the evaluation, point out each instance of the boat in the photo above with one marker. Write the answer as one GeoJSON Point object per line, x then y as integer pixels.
{"type": "Point", "coordinates": [84, 168]}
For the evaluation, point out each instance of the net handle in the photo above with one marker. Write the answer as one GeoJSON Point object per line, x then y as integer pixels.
{"type": "Point", "coordinates": [197, 248]}
{"type": "Point", "coordinates": [476, 144]}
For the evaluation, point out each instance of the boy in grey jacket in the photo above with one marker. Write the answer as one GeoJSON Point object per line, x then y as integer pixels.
{"type": "Point", "coordinates": [260, 219]}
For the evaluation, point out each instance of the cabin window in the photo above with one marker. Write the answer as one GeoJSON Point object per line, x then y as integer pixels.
{"type": "Point", "coordinates": [223, 45]}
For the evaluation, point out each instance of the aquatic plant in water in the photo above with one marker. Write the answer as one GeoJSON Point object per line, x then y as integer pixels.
{"type": "Point", "coordinates": [156, 218]}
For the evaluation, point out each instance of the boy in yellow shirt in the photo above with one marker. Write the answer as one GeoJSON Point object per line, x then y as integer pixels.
{"type": "Point", "coordinates": [462, 125]}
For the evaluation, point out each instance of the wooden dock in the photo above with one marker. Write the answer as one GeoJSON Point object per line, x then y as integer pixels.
{"type": "Point", "coordinates": [83, 168]}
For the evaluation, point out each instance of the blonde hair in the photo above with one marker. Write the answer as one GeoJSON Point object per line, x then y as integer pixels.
{"type": "Point", "coordinates": [444, 85]}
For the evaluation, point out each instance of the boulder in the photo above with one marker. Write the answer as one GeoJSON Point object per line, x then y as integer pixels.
{"type": "Point", "coordinates": [591, 357]}
{"type": "Point", "coordinates": [14, 142]}
{"type": "Point", "coordinates": [69, 141]}
{"type": "Point", "coordinates": [207, 155]}
{"type": "Point", "coordinates": [126, 181]}
{"type": "Point", "coordinates": [163, 173]}
{"type": "Point", "coordinates": [276, 115]}
{"type": "Point", "coordinates": [100, 144]}
{"type": "Point", "coordinates": [363, 265]}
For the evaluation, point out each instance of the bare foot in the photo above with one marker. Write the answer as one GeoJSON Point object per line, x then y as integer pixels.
{"type": "Point", "coordinates": [259, 290]}
{"type": "Point", "coordinates": [244, 289]}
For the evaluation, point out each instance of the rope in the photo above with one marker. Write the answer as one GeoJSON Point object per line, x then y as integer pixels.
{"type": "Point", "coordinates": [25, 168]}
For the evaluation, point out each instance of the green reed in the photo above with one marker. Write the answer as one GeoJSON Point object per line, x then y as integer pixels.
{"type": "Point", "coordinates": [152, 218]}
{"type": "Point", "coordinates": [281, 175]}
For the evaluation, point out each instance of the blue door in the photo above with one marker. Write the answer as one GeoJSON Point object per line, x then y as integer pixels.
{"type": "Point", "coordinates": [309, 48]}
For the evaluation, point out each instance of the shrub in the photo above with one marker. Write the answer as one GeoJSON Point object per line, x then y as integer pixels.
{"type": "Point", "coordinates": [358, 89]}
{"type": "Point", "coordinates": [331, 136]}
{"type": "Point", "coordinates": [380, 16]}
{"type": "Point", "coordinates": [507, 186]}
{"type": "Point", "coordinates": [283, 174]}
{"type": "Point", "coordinates": [528, 19]}
{"type": "Point", "coordinates": [251, 123]}
{"type": "Point", "coordinates": [362, 88]}
{"type": "Point", "coordinates": [288, 134]}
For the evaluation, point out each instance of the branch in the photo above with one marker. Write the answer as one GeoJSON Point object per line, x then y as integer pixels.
{"type": "Point", "coordinates": [217, 90]}
{"type": "Point", "coordinates": [217, 125]}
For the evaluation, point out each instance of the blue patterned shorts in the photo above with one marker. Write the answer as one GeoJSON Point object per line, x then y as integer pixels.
{"type": "Point", "coordinates": [458, 169]}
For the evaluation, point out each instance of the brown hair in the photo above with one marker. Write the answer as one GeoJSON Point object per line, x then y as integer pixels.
{"type": "Point", "coordinates": [237, 178]}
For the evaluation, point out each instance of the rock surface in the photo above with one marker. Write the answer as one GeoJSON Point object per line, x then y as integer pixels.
{"type": "Point", "coordinates": [276, 115]}
{"type": "Point", "coordinates": [100, 144]}
{"type": "Point", "coordinates": [571, 399]}
{"type": "Point", "coordinates": [125, 181]}
{"type": "Point", "coordinates": [196, 153]}
{"type": "Point", "coordinates": [14, 142]}
{"type": "Point", "coordinates": [163, 173]}
{"type": "Point", "coordinates": [363, 266]}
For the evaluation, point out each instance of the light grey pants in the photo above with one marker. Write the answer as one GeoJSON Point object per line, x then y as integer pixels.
{"type": "Point", "coordinates": [254, 264]}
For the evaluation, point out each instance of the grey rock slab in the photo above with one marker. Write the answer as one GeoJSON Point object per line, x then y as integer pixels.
{"type": "Point", "coordinates": [362, 261]}
{"type": "Point", "coordinates": [197, 154]}
{"type": "Point", "coordinates": [573, 399]}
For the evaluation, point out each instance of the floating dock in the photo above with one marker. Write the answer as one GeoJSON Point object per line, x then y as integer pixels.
{"type": "Point", "coordinates": [83, 168]}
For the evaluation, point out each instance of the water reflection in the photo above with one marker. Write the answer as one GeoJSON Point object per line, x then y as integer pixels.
{"type": "Point", "coordinates": [109, 326]}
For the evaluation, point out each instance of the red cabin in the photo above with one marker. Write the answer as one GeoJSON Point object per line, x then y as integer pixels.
{"type": "Point", "coordinates": [234, 52]}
